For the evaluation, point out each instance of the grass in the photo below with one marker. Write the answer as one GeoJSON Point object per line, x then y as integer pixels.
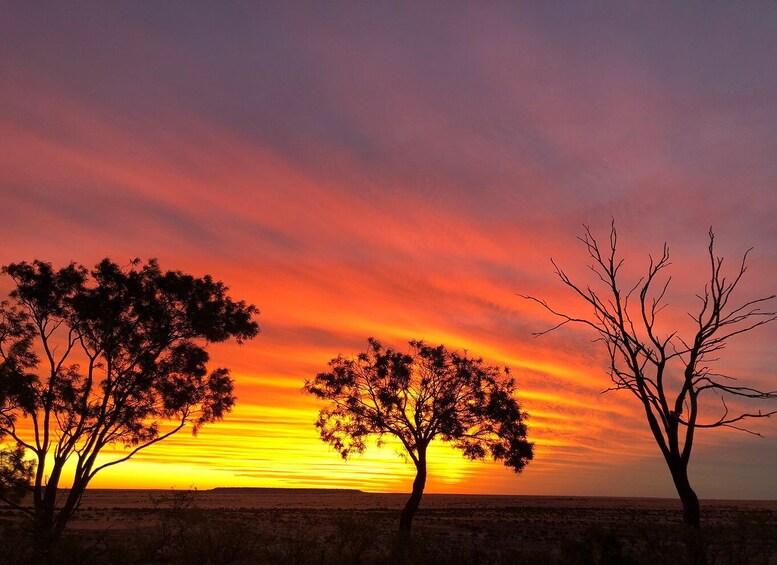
{"type": "Point", "coordinates": [188, 527]}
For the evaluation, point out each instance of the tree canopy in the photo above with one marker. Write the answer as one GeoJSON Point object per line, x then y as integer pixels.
{"type": "Point", "coordinates": [417, 396]}
{"type": "Point", "coordinates": [112, 355]}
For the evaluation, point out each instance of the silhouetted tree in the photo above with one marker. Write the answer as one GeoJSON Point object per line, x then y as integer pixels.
{"type": "Point", "coordinates": [417, 396]}
{"type": "Point", "coordinates": [669, 374]}
{"type": "Point", "coordinates": [109, 356]}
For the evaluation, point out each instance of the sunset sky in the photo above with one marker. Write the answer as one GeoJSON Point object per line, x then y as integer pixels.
{"type": "Point", "coordinates": [404, 171]}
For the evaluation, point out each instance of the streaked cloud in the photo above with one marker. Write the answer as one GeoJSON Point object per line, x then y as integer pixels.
{"type": "Point", "coordinates": [402, 172]}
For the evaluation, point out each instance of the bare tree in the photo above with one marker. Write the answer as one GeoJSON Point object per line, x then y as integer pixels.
{"type": "Point", "coordinates": [114, 355]}
{"type": "Point", "coordinates": [417, 396]}
{"type": "Point", "coordinates": [669, 374]}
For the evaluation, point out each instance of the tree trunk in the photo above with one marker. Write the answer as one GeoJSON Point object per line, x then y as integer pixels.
{"type": "Point", "coordinates": [43, 533]}
{"type": "Point", "coordinates": [42, 539]}
{"type": "Point", "coordinates": [691, 509]}
{"type": "Point", "coordinates": [694, 541]}
{"type": "Point", "coordinates": [48, 524]}
{"type": "Point", "coordinates": [408, 512]}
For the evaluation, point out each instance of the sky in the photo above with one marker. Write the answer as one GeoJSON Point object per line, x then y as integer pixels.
{"type": "Point", "coordinates": [405, 170]}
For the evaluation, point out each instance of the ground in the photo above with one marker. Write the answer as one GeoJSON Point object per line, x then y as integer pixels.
{"type": "Point", "coordinates": [325, 526]}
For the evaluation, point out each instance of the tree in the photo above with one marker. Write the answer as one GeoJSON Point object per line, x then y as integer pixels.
{"type": "Point", "coordinates": [109, 356]}
{"type": "Point", "coordinates": [670, 375]}
{"type": "Point", "coordinates": [417, 396]}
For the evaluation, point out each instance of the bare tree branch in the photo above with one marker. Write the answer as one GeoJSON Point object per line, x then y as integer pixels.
{"type": "Point", "coordinates": [641, 361]}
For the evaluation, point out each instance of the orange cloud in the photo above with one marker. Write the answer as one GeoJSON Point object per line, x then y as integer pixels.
{"type": "Point", "coordinates": [370, 191]}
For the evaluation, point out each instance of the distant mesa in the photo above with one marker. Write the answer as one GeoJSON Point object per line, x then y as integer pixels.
{"type": "Point", "coordinates": [273, 490]}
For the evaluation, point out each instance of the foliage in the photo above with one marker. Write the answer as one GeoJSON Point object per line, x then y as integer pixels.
{"type": "Point", "coordinates": [108, 356]}
{"type": "Point", "coordinates": [15, 473]}
{"type": "Point", "coordinates": [417, 396]}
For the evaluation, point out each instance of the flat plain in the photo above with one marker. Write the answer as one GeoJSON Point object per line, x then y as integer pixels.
{"type": "Point", "coordinates": [243, 525]}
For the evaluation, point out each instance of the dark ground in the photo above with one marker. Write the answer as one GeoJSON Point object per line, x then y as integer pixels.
{"type": "Point", "coordinates": [309, 526]}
